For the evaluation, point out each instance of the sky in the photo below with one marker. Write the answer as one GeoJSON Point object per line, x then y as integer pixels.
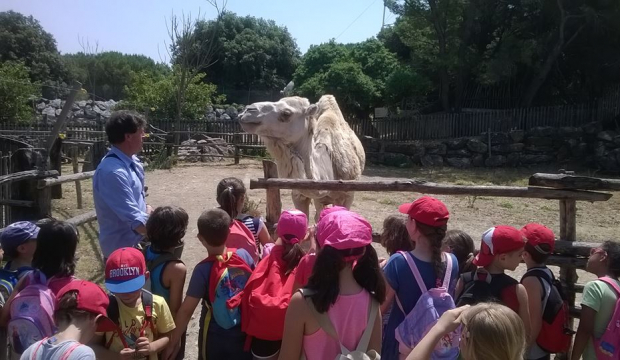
{"type": "Point", "coordinates": [139, 26]}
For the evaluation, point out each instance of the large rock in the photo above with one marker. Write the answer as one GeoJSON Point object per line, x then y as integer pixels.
{"type": "Point", "coordinates": [457, 144]}
{"type": "Point", "coordinates": [543, 131]}
{"type": "Point", "coordinates": [90, 114]}
{"type": "Point", "coordinates": [478, 160]}
{"type": "Point", "coordinates": [495, 161]}
{"type": "Point", "coordinates": [398, 160]}
{"type": "Point", "coordinates": [570, 132]}
{"type": "Point", "coordinates": [432, 160]}
{"type": "Point", "coordinates": [507, 148]}
{"type": "Point", "coordinates": [599, 149]}
{"type": "Point", "coordinates": [563, 153]}
{"type": "Point", "coordinates": [56, 103]}
{"type": "Point", "coordinates": [459, 153]}
{"type": "Point", "coordinates": [41, 106]}
{"type": "Point", "coordinates": [411, 149]}
{"type": "Point", "coordinates": [517, 136]}
{"type": "Point", "coordinates": [81, 103]}
{"type": "Point", "coordinates": [608, 163]}
{"type": "Point", "coordinates": [225, 117]}
{"type": "Point", "coordinates": [232, 112]}
{"type": "Point", "coordinates": [477, 146]}
{"type": "Point", "coordinates": [49, 111]}
{"type": "Point", "coordinates": [606, 135]}
{"type": "Point", "coordinates": [592, 128]}
{"type": "Point", "coordinates": [498, 138]}
{"type": "Point", "coordinates": [539, 141]}
{"type": "Point", "coordinates": [436, 148]}
{"type": "Point", "coordinates": [219, 112]}
{"type": "Point", "coordinates": [58, 111]}
{"type": "Point", "coordinates": [539, 149]}
{"type": "Point", "coordinates": [513, 159]}
{"type": "Point", "coordinates": [78, 114]}
{"type": "Point", "coordinates": [459, 162]}
{"type": "Point", "coordinates": [580, 150]}
{"type": "Point", "coordinates": [211, 116]}
{"type": "Point", "coordinates": [536, 159]}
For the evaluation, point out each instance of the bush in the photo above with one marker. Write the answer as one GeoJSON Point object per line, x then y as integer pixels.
{"type": "Point", "coordinates": [16, 90]}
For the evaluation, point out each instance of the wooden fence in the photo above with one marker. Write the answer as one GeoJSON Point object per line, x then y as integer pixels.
{"type": "Point", "coordinates": [568, 255]}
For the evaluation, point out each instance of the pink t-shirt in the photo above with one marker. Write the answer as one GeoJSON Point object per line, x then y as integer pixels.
{"type": "Point", "coordinates": [304, 269]}
{"type": "Point", "coordinates": [349, 315]}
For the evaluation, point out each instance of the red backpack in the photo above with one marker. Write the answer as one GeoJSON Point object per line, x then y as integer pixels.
{"type": "Point", "coordinates": [266, 298]}
{"type": "Point", "coordinates": [608, 346]}
{"type": "Point", "coordinates": [555, 333]}
{"type": "Point", "coordinates": [240, 237]}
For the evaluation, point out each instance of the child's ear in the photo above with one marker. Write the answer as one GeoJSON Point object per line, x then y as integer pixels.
{"type": "Point", "coordinates": [147, 274]}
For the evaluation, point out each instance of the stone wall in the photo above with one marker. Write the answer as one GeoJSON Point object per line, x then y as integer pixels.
{"type": "Point", "coordinates": [589, 144]}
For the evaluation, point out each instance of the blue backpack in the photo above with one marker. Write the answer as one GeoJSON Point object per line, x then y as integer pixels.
{"type": "Point", "coordinates": [8, 281]}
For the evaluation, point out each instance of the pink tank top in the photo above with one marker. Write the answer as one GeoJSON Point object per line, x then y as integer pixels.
{"type": "Point", "coordinates": [349, 314]}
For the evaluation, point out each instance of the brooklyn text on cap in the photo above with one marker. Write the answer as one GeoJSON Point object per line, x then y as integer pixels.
{"type": "Point", "coordinates": [125, 271]}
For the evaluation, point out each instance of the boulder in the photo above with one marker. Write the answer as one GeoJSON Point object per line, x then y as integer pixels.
{"type": "Point", "coordinates": [432, 160]}
{"type": "Point", "coordinates": [232, 112]}
{"type": "Point", "coordinates": [209, 109]}
{"type": "Point", "coordinates": [478, 160]}
{"type": "Point", "coordinates": [606, 135]}
{"type": "Point", "coordinates": [498, 138]}
{"type": "Point", "coordinates": [101, 105]}
{"type": "Point", "coordinates": [90, 114]}
{"type": "Point", "coordinates": [75, 107]}
{"type": "Point", "coordinates": [58, 111]}
{"type": "Point", "coordinates": [188, 142]}
{"type": "Point", "coordinates": [539, 141]}
{"type": "Point", "coordinates": [459, 153]}
{"type": "Point", "coordinates": [539, 149]}
{"type": "Point", "coordinates": [507, 148]}
{"type": "Point", "coordinates": [49, 111]}
{"type": "Point", "coordinates": [78, 114]}
{"type": "Point", "coordinates": [477, 146]}
{"type": "Point", "coordinates": [211, 116]}
{"type": "Point", "coordinates": [517, 136]}
{"type": "Point", "coordinates": [617, 140]}
{"type": "Point", "coordinates": [495, 161]}
{"type": "Point", "coordinates": [513, 159]}
{"type": "Point", "coordinates": [411, 149]}
{"type": "Point", "coordinates": [81, 103]}
{"type": "Point", "coordinates": [41, 106]}
{"type": "Point", "coordinates": [436, 148]}
{"type": "Point", "coordinates": [599, 148]}
{"type": "Point", "coordinates": [570, 132]}
{"type": "Point", "coordinates": [543, 131]}
{"type": "Point", "coordinates": [457, 144]}
{"type": "Point", "coordinates": [398, 160]}
{"type": "Point", "coordinates": [225, 117]}
{"type": "Point", "coordinates": [536, 159]}
{"type": "Point", "coordinates": [563, 153]}
{"type": "Point", "coordinates": [459, 162]}
{"type": "Point", "coordinates": [592, 128]}
{"type": "Point", "coordinates": [608, 163]}
{"type": "Point", "coordinates": [219, 112]}
{"type": "Point", "coordinates": [56, 103]}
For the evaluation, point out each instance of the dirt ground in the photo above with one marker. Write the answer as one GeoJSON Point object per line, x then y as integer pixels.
{"type": "Point", "coordinates": [193, 188]}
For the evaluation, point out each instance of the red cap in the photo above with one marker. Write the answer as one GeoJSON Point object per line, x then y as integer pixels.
{"type": "Point", "coordinates": [91, 298]}
{"type": "Point", "coordinates": [537, 234]}
{"type": "Point", "coordinates": [125, 271]}
{"type": "Point", "coordinates": [497, 240]}
{"type": "Point", "coordinates": [427, 210]}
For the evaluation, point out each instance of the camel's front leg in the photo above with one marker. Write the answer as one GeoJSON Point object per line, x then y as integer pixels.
{"type": "Point", "coordinates": [301, 202]}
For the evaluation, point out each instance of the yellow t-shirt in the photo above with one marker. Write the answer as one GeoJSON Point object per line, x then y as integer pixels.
{"type": "Point", "coordinates": [131, 320]}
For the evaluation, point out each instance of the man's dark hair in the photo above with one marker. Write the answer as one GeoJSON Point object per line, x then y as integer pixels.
{"type": "Point", "coordinates": [121, 123]}
{"type": "Point", "coordinates": [214, 226]}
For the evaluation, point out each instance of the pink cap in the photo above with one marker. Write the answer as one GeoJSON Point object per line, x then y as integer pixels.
{"type": "Point", "coordinates": [331, 209]}
{"type": "Point", "coordinates": [292, 226]}
{"type": "Point", "coordinates": [343, 230]}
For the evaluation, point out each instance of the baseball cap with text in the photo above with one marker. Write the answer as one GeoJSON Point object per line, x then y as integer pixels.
{"type": "Point", "coordinates": [125, 271]}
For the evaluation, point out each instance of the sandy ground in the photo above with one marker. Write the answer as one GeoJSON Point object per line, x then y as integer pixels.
{"type": "Point", "coordinates": [193, 188]}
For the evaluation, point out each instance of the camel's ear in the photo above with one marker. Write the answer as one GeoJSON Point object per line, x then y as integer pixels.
{"type": "Point", "coordinates": [312, 110]}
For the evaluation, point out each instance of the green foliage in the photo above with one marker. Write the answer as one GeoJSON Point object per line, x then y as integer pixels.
{"type": "Point", "coordinates": [249, 53]}
{"type": "Point", "coordinates": [403, 83]}
{"type": "Point", "coordinates": [15, 91]}
{"type": "Point", "coordinates": [161, 161]}
{"type": "Point", "coordinates": [108, 73]}
{"type": "Point", "coordinates": [159, 94]}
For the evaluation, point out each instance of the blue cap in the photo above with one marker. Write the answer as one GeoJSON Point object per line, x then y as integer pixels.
{"type": "Point", "coordinates": [18, 233]}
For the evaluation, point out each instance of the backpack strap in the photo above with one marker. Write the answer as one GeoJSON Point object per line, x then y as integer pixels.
{"type": "Point", "coordinates": [147, 304]}
{"type": "Point", "coordinates": [67, 353]}
{"type": "Point", "coordinates": [365, 339]}
{"type": "Point", "coordinates": [546, 278]}
{"type": "Point", "coordinates": [114, 315]}
{"type": "Point", "coordinates": [415, 271]}
{"type": "Point", "coordinates": [610, 282]}
{"type": "Point", "coordinates": [448, 274]}
{"type": "Point", "coordinates": [34, 353]}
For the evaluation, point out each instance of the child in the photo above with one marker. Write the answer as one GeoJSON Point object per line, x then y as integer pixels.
{"type": "Point", "coordinates": [270, 287]}
{"type": "Point", "coordinates": [165, 230]}
{"type": "Point", "coordinates": [490, 332]}
{"type": "Point", "coordinates": [55, 254]}
{"type": "Point", "coordinates": [231, 197]}
{"type": "Point", "coordinates": [345, 283]}
{"type": "Point", "coordinates": [599, 299]}
{"type": "Point", "coordinates": [136, 335]}
{"type": "Point", "coordinates": [539, 245]}
{"type": "Point", "coordinates": [462, 246]}
{"type": "Point", "coordinates": [19, 241]}
{"type": "Point", "coordinates": [215, 341]}
{"type": "Point", "coordinates": [80, 311]}
{"type": "Point", "coordinates": [500, 250]}
{"type": "Point", "coordinates": [426, 224]}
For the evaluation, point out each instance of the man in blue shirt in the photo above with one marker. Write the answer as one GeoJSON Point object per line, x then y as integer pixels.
{"type": "Point", "coordinates": [118, 185]}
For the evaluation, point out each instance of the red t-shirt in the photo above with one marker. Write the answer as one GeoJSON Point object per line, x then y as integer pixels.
{"type": "Point", "coordinates": [304, 269]}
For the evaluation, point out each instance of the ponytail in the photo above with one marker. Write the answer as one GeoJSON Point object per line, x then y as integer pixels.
{"type": "Point", "coordinates": [292, 255]}
{"type": "Point", "coordinates": [435, 236]}
{"type": "Point", "coordinates": [229, 191]}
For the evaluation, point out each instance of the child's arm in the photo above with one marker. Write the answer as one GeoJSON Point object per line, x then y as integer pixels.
{"type": "Point", "coordinates": [181, 320]}
{"type": "Point", "coordinates": [146, 348]}
{"type": "Point", "coordinates": [389, 298]}
{"type": "Point", "coordinates": [263, 236]}
{"type": "Point", "coordinates": [449, 321]}
{"type": "Point", "coordinates": [459, 288]}
{"type": "Point", "coordinates": [524, 312]}
{"type": "Point", "coordinates": [533, 287]}
{"type": "Point", "coordinates": [96, 343]}
{"type": "Point", "coordinates": [294, 325]}
{"type": "Point", "coordinates": [584, 332]}
{"type": "Point", "coordinates": [174, 278]}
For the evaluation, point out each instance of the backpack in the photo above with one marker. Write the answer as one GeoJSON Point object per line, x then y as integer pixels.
{"type": "Point", "coordinates": [32, 313]}
{"type": "Point", "coordinates": [151, 265]}
{"type": "Point", "coordinates": [425, 314]}
{"type": "Point", "coordinates": [361, 352]}
{"type": "Point", "coordinates": [266, 298]}
{"type": "Point", "coordinates": [555, 333]}
{"type": "Point", "coordinates": [229, 275]}
{"type": "Point", "coordinates": [114, 315]}
{"type": "Point", "coordinates": [477, 288]}
{"type": "Point", "coordinates": [607, 347]}
{"type": "Point", "coordinates": [8, 280]}
{"type": "Point", "coordinates": [240, 237]}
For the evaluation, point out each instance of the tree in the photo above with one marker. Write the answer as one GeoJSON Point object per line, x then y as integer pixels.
{"type": "Point", "coordinates": [252, 53]}
{"type": "Point", "coordinates": [23, 39]}
{"type": "Point", "coordinates": [16, 90]}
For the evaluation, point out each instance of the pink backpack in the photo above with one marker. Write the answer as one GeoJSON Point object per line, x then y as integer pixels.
{"type": "Point", "coordinates": [608, 346]}
{"type": "Point", "coordinates": [32, 313]}
{"type": "Point", "coordinates": [424, 315]}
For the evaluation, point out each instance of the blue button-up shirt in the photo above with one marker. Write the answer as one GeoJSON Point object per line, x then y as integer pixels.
{"type": "Point", "coordinates": [118, 192]}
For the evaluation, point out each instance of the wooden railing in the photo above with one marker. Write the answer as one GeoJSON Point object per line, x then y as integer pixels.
{"type": "Point", "coordinates": [568, 255]}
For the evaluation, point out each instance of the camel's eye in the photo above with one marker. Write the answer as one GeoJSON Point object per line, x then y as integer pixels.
{"type": "Point", "coordinates": [285, 115]}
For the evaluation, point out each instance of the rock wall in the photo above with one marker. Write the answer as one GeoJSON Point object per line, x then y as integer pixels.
{"type": "Point", "coordinates": [589, 144]}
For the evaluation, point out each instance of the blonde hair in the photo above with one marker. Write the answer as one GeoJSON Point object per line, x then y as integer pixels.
{"type": "Point", "coordinates": [492, 332]}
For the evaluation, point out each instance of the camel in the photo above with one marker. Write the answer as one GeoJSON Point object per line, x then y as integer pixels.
{"type": "Point", "coordinates": [308, 141]}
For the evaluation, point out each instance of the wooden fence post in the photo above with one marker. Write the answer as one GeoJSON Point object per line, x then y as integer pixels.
{"type": "Point", "coordinates": [78, 184]}
{"type": "Point", "coordinates": [236, 142]}
{"type": "Point", "coordinates": [568, 232]}
{"type": "Point", "coordinates": [56, 164]}
{"type": "Point", "coordinates": [97, 152]}
{"type": "Point", "coordinates": [274, 203]}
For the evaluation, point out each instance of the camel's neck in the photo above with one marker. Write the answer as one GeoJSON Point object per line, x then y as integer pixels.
{"type": "Point", "coordinates": [293, 159]}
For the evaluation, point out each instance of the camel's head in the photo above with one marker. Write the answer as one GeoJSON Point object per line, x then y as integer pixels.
{"type": "Point", "coordinates": [287, 120]}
